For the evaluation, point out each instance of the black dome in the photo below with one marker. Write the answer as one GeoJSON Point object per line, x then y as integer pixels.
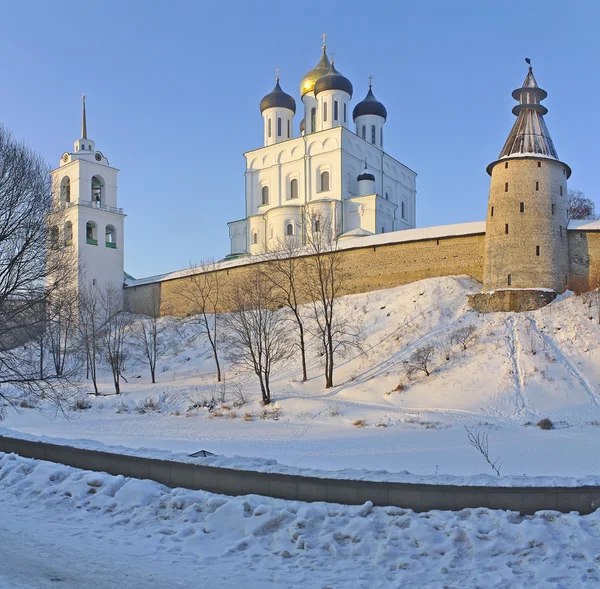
{"type": "Point", "coordinates": [278, 98]}
{"type": "Point", "coordinates": [333, 80]}
{"type": "Point", "coordinates": [366, 176]}
{"type": "Point", "coordinates": [369, 106]}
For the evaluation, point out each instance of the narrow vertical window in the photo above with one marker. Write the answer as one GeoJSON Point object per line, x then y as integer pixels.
{"type": "Point", "coordinates": [381, 137]}
{"type": "Point", "coordinates": [506, 228]}
{"type": "Point", "coordinates": [317, 225]}
{"type": "Point", "coordinates": [373, 130]}
{"type": "Point", "coordinates": [345, 113]}
{"type": "Point", "coordinates": [278, 126]}
{"type": "Point", "coordinates": [492, 212]}
{"type": "Point", "coordinates": [403, 211]}
{"type": "Point", "coordinates": [383, 230]}
{"type": "Point", "coordinates": [313, 119]}
{"type": "Point", "coordinates": [506, 187]}
{"type": "Point", "coordinates": [336, 107]}
{"type": "Point", "coordinates": [294, 188]}
{"type": "Point", "coordinates": [289, 230]}
{"type": "Point", "coordinates": [561, 190]}
{"type": "Point", "coordinates": [522, 207]}
{"type": "Point", "coordinates": [288, 129]}
{"type": "Point", "coordinates": [269, 127]}
{"type": "Point", "coordinates": [265, 195]}
{"type": "Point", "coordinates": [509, 280]}
{"type": "Point", "coordinates": [364, 132]}
{"type": "Point", "coordinates": [537, 250]}
{"type": "Point", "coordinates": [553, 208]}
{"type": "Point", "coordinates": [324, 111]}
{"type": "Point", "coordinates": [537, 185]}
{"type": "Point", "coordinates": [506, 164]}
{"type": "Point", "coordinates": [387, 196]}
{"type": "Point", "coordinates": [539, 164]}
{"type": "Point", "coordinates": [255, 238]}
{"type": "Point", "coordinates": [324, 181]}
{"type": "Point", "coordinates": [561, 230]}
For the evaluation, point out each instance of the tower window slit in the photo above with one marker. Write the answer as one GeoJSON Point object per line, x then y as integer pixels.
{"type": "Point", "coordinates": [506, 187]}
{"type": "Point", "coordinates": [492, 212]}
{"type": "Point", "coordinates": [539, 164]}
{"type": "Point", "coordinates": [313, 119]}
{"type": "Point", "coordinates": [403, 211]}
{"type": "Point", "coordinates": [509, 280]}
{"type": "Point", "coordinates": [324, 111]}
{"type": "Point", "coordinates": [522, 207]}
{"type": "Point", "coordinates": [278, 126]}
{"type": "Point", "coordinates": [373, 130]}
{"type": "Point", "coordinates": [288, 129]}
{"type": "Point", "coordinates": [553, 209]}
{"type": "Point", "coordinates": [364, 132]}
{"type": "Point", "coordinates": [336, 107]}
{"type": "Point", "coordinates": [561, 191]}
{"type": "Point", "coordinates": [506, 228]}
{"type": "Point", "coordinates": [506, 164]}
{"type": "Point", "coordinates": [381, 137]}
{"type": "Point", "coordinates": [345, 112]}
{"type": "Point", "coordinates": [537, 185]}
{"type": "Point", "coordinates": [268, 127]}
{"type": "Point", "coordinates": [537, 250]}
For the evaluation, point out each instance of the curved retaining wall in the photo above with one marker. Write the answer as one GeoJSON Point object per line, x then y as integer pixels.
{"type": "Point", "coordinates": [526, 500]}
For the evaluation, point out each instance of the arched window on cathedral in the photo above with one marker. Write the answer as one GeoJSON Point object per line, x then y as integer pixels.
{"type": "Point", "coordinates": [364, 132]}
{"type": "Point", "coordinates": [68, 233]}
{"type": "Point", "coordinates": [345, 112]}
{"type": "Point", "coordinates": [317, 225]}
{"type": "Point", "coordinates": [268, 127]}
{"type": "Point", "coordinates": [313, 120]}
{"type": "Point", "coordinates": [373, 130]}
{"type": "Point", "coordinates": [97, 191]}
{"type": "Point", "coordinates": [324, 111]}
{"type": "Point", "coordinates": [294, 188]}
{"type": "Point", "coordinates": [91, 234]}
{"type": "Point", "coordinates": [278, 126]}
{"type": "Point", "coordinates": [289, 230]}
{"type": "Point", "coordinates": [255, 237]}
{"type": "Point", "coordinates": [53, 238]}
{"type": "Point", "coordinates": [265, 195]}
{"type": "Point", "coordinates": [110, 237]}
{"type": "Point", "coordinates": [324, 182]}
{"type": "Point", "coordinates": [336, 110]}
{"type": "Point", "coordinates": [65, 190]}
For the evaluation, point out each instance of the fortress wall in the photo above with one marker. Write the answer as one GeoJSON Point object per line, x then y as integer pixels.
{"type": "Point", "coordinates": [584, 260]}
{"type": "Point", "coordinates": [369, 268]}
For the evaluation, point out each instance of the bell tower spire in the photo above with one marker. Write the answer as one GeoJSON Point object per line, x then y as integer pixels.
{"type": "Point", "coordinates": [83, 119]}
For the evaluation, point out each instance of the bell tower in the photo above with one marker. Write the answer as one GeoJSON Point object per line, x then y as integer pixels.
{"type": "Point", "coordinates": [85, 213]}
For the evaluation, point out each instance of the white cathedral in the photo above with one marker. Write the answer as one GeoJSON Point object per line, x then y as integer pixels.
{"type": "Point", "coordinates": [328, 171]}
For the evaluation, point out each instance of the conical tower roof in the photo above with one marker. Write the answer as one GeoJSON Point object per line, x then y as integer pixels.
{"type": "Point", "coordinates": [529, 136]}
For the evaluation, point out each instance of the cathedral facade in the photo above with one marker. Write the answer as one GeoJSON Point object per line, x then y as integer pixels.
{"type": "Point", "coordinates": [335, 172]}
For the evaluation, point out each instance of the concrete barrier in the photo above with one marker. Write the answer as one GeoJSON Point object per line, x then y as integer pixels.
{"type": "Point", "coordinates": [226, 481]}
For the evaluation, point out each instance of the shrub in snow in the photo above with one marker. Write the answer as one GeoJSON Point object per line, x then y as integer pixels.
{"type": "Point", "coordinates": [148, 405]}
{"type": "Point", "coordinates": [545, 423]}
{"type": "Point", "coordinates": [359, 423]}
{"type": "Point", "coordinates": [81, 404]}
{"type": "Point", "coordinates": [333, 410]}
{"type": "Point", "coordinates": [465, 336]}
{"type": "Point", "coordinates": [421, 360]}
{"type": "Point", "coordinates": [248, 417]}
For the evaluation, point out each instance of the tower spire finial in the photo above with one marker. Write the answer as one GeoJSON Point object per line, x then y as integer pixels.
{"type": "Point", "coordinates": [277, 74]}
{"type": "Point", "coordinates": [83, 119]}
{"type": "Point", "coordinates": [370, 81]}
{"type": "Point", "coordinates": [324, 37]}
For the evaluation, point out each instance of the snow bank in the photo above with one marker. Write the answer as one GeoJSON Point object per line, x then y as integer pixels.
{"type": "Point", "coordinates": [291, 543]}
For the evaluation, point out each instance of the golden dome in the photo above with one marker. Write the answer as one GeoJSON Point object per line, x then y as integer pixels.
{"type": "Point", "coordinates": [308, 81]}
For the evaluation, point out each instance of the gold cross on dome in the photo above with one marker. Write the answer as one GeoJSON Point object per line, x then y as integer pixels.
{"type": "Point", "coordinates": [332, 56]}
{"type": "Point", "coordinates": [370, 80]}
{"type": "Point", "coordinates": [324, 37]}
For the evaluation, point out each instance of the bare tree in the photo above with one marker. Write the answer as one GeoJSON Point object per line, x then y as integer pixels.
{"type": "Point", "coordinates": [32, 266]}
{"type": "Point", "coordinates": [479, 441]}
{"type": "Point", "coordinates": [284, 269]}
{"type": "Point", "coordinates": [149, 336]}
{"type": "Point", "coordinates": [112, 333]}
{"type": "Point", "coordinates": [90, 322]}
{"type": "Point", "coordinates": [324, 280]}
{"type": "Point", "coordinates": [61, 329]}
{"type": "Point", "coordinates": [202, 291]}
{"type": "Point", "coordinates": [257, 333]}
{"type": "Point", "coordinates": [580, 207]}
{"type": "Point", "coordinates": [465, 336]}
{"type": "Point", "coordinates": [421, 359]}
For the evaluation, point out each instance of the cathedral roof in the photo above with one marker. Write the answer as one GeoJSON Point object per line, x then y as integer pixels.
{"type": "Point", "coordinates": [529, 135]}
{"type": "Point", "coordinates": [333, 80]}
{"type": "Point", "coordinates": [277, 98]}
{"type": "Point", "coordinates": [308, 81]}
{"type": "Point", "coordinates": [369, 105]}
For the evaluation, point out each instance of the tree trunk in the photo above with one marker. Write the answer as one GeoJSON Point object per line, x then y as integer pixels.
{"type": "Point", "coordinates": [302, 352]}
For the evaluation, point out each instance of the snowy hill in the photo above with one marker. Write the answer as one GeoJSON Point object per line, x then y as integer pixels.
{"type": "Point", "coordinates": [518, 369]}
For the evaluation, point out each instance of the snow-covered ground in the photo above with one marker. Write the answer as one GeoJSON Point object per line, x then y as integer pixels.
{"type": "Point", "coordinates": [69, 528]}
{"type": "Point", "coordinates": [522, 368]}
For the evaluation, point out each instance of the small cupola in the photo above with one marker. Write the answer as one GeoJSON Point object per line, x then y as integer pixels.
{"type": "Point", "coordinates": [333, 80]}
{"type": "Point", "coordinates": [369, 116]}
{"type": "Point", "coordinates": [278, 109]}
{"type": "Point", "coordinates": [366, 182]}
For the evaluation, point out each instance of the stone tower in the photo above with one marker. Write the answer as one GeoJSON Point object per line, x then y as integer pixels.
{"type": "Point", "coordinates": [526, 243]}
{"type": "Point", "coordinates": [85, 214]}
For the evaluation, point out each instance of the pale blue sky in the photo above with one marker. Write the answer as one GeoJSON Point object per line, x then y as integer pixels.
{"type": "Point", "coordinates": [173, 90]}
